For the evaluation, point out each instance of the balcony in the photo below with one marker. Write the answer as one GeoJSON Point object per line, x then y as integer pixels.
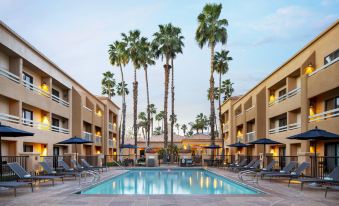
{"type": "Point", "coordinates": [250, 136]}
{"type": "Point", "coordinates": [59, 129]}
{"type": "Point", "coordinates": [36, 89]}
{"type": "Point", "coordinates": [9, 118]}
{"type": "Point", "coordinates": [225, 127]}
{"type": "Point", "coordinates": [97, 139]}
{"type": "Point", "coordinates": [110, 126]}
{"type": "Point", "coordinates": [324, 115]}
{"type": "Point", "coordinates": [110, 143]}
{"type": "Point", "coordinates": [240, 139]}
{"type": "Point", "coordinates": [60, 101]}
{"type": "Point", "coordinates": [284, 128]}
{"type": "Point", "coordinates": [43, 126]}
{"type": "Point", "coordinates": [285, 96]}
{"type": "Point", "coordinates": [9, 75]}
{"type": "Point", "coordinates": [87, 136]}
{"type": "Point", "coordinates": [324, 67]}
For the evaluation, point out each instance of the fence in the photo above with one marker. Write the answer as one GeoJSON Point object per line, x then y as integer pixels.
{"type": "Point", "coordinates": [52, 161]}
{"type": "Point", "coordinates": [281, 161]}
{"type": "Point", "coordinates": [6, 173]}
{"type": "Point", "coordinates": [321, 166]}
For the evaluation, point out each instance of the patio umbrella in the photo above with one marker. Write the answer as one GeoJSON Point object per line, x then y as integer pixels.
{"type": "Point", "coordinates": [212, 146]}
{"type": "Point", "coordinates": [264, 141]}
{"type": "Point", "coordinates": [75, 140]}
{"type": "Point", "coordinates": [6, 131]}
{"type": "Point", "coordinates": [314, 135]}
{"type": "Point", "coordinates": [238, 145]}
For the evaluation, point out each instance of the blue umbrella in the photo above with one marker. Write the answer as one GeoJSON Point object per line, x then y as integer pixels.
{"type": "Point", "coordinates": [212, 146]}
{"type": "Point", "coordinates": [6, 131]}
{"type": "Point", "coordinates": [238, 145]}
{"type": "Point", "coordinates": [314, 135]}
{"type": "Point", "coordinates": [76, 141]}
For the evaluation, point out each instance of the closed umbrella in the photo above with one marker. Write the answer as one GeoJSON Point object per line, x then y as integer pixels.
{"type": "Point", "coordinates": [238, 145]}
{"type": "Point", "coordinates": [315, 135]}
{"type": "Point", "coordinates": [6, 131]}
{"type": "Point", "coordinates": [75, 140]}
{"type": "Point", "coordinates": [264, 141]}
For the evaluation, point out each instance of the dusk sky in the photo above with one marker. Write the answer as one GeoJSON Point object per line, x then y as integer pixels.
{"type": "Point", "coordinates": [76, 34]}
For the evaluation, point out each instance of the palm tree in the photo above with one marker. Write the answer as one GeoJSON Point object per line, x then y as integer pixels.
{"type": "Point", "coordinates": [184, 128]}
{"type": "Point", "coordinates": [160, 117]}
{"type": "Point", "coordinates": [221, 60]}
{"type": "Point", "coordinates": [134, 51]}
{"type": "Point", "coordinates": [153, 111]}
{"type": "Point", "coordinates": [108, 84]}
{"type": "Point", "coordinates": [121, 91]}
{"type": "Point", "coordinates": [146, 59]}
{"type": "Point", "coordinates": [157, 131]}
{"type": "Point", "coordinates": [177, 125]}
{"type": "Point", "coordinates": [227, 88]}
{"type": "Point", "coordinates": [178, 44]}
{"type": "Point", "coordinates": [163, 46]}
{"type": "Point", "coordinates": [142, 123]}
{"type": "Point", "coordinates": [118, 56]}
{"type": "Point", "coordinates": [211, 30]}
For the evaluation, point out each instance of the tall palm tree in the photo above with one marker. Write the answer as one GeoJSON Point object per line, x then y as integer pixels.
{"type": "Point", "coordinates": [142, 123]}
{"type": "Point", "coordinates": [227, 88]}
{"type": "Point", "coordinates": [184, 129]}
{"type": "Point", "coordinates": [146, 59]}
{"type": "Point", "coordinates": [163, 46]}
{"type": "Point", "coordinates": [211, 30]}
{"type": "Point", "coordinates": [153, 111]}
{"type": "Point", "coordinates": [121, 91]}
{"type": "Point", "coordinates": [221, 60]}
{"type": "Point", "coordinates": [134, 50]}
{"type": "Point", "coordinates": [177, 45]}
{"type": "Point", "coordinates": [118, 56]}
{"type": "Point", "coordinates": [177, 125]}
{"type": "Point", "coordinates": [160, 117]}
{"type": "Point", "coordinates": [108, 84]}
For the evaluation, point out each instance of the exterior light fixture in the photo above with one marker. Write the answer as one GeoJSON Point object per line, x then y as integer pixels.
{"type": "Point", "coordinates": [309, 69]}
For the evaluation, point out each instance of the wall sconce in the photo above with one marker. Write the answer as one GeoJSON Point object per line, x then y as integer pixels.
{"type": "Point", "coordinates": [44, 87]}
{"type": "Point", "coordinates": [309, 69]}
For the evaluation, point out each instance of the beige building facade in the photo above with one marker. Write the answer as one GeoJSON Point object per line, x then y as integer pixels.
{"type": "Point", "coordinates": [303, 93]}
{"type": "Point", "coordinates": [39, 97]}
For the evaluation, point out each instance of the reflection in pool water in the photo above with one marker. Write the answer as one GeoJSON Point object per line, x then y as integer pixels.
{"type": "Point", "coordinates": [174, 181]}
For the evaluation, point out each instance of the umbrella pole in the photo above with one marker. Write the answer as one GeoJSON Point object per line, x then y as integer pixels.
{"type": "Point", "coordinates": [263, 164]}
{"type": "Point", "coordinates": [0, 161]}
{"type": "Point", "coordinates": [315, 159]}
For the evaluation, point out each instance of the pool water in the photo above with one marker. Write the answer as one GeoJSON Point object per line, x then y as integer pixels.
{"type": "Point", "coordinates": [168, 182]}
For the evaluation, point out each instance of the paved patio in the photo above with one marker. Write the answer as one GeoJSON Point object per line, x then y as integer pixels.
{"type": "Point", "coordinates": [63, 194]}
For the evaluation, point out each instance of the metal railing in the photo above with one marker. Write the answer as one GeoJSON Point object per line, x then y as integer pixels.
{"type": "Point", "coordinates": [52, 161]}
{"type": "Point", "coordinates": [9, 75]}
{"type": "Point", "coordinates": [323, 165]}
{"type": "Point", "coordinates": [42, 126]}
{"type": "Point", "coordinates": [250, 137]}
{"type": "Point", "coordinates": [250, 108]}
{"type": "Point", "coordinates": [281, 161]}
{"type": "Point", "coordinates": [110, 126]}
{"type": "Point", "coordinates": [59, 100]}
{"type": "Point", "coordinates": [284, 128]}
{"type": "Point", "coordinates": [9, 118]}
{"type": "Point", "coordinates": [324, 66]}
{"type": "Point", "coordinates": [87, 136]}
{"type": "Point", "coordinates": [88, 109]}
{"type": "Point", "coordinates": [110, 143]}
{"type": "Point", "coordinates": [285, 96]}
{"type": "Point", "coordinates": [6, 173]}
{"type": "Point", "coordinates": [97, 139]}
{"type": "Point", "coordinates": [324, 115]}
{"type": "Point", "coordinates": [59, 129]}
{"type": "Point", "coordinates": [36, 89]}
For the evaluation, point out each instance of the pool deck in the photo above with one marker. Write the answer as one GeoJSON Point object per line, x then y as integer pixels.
{"type": "Point", "coordinates": [277, 193]}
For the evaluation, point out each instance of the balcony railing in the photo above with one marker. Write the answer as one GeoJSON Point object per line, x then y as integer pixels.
{"type": "Point", "coordinates": [97, 139]}
{"type": "Point", "coordinates": [324, 67]}
{"type": "Point", "coordinates": [250, 108]}
{"type": "Point", "coordinates": [59, 129]}
{"type": "Point", "coordinates": [240, 139]}
{"type": "Point", "coordinates": [237, 115]}
{"type": "Point", "coordinates": [9, 118]}
{"type": "Point", "coordinates": [110, 126]}
{"type": "Point", "coordinates": [225, 127]}
{"type": "Point", "coordinates": [285, 96]}
{"type": "Point", "coordinates": [284, 128]}
{"type": "Point", "coordinates": [36, 89]}
{"type": "Point", "coordinates": [250, 137]}
{"type": "Point", "coordinates": [87, 136]}
{"type": "Point", "coordinates": [88, 109]}
{"type": "Point", "coordinates": [9, 75]}
{"type": "Point", "coordinates": [59, 100]}
{"type": "Point", "coordinates": [324, 115]}
{"type": "Point", "coordinates": [110, 143]}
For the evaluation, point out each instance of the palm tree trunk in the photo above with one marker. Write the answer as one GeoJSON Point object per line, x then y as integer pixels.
{"type": "Point", "coordinates": [172, 122]}
{"type": "Point", "coordinates": [220, 120]}
{"type": "Point", "coordinates": [212, 97]}
{"type": "Point", "coordinates": [123, 108]}
{"type": "Point", "coordinates": [148, 109]}
{"type": "Point", "coordinates": [166, 105]}
{"type": "Point", "coordinates": [135, 112]}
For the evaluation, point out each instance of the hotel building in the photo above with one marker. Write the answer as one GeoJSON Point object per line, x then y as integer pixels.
{"type": "Point", "coordinates": [303, 93]}
{"type": "Point", "coordinates": [39, 97]}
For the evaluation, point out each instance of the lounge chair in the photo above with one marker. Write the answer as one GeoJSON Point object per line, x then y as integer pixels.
{"type": "Point", "coordinates": [15, 185]}
{"type": "Point", "coordinates": [332, 178]}
{"type": "Point", "coordinates": [252, 172]}
{"type": "Point", "coordinates": [253, 167]}
{"type": "Point", "coordinates": [49, 171]}
{"type": "Point", "coordinates": [295, 174]}
{"type": "Point", "coordinates": [242, 163]}
{"type": "Point", "coordinates": [328, 188]}
{"type": "Point", "coordinates": [24, 175]}
{"type": "Point", "coordinates": [237, 168]}
{"type": "Point", "coordinates": [66, 167]}
{"type": "Point", "coordinates": [88, 166]}
{"type": "Point", "coordinates": [286, 170]}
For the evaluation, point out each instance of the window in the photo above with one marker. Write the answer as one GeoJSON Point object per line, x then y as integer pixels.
{"type": "Point", "coordinates": [55, 122]}
{"type": "Point", "coordinates": [55, 92]}
{"type": "Point", "coordinates": [332, 103]}
{"type": "Point", "coordinates": [28, 148]}
{"type": "Point", "coordinates": [27, 117]}
{"type": "Point", "coordinates": [28, 79]}
{"type": "Point", "coordinates": [331, 57]}
{"type": "Point", "coordinates": [282, 92]}
{"type": "Point", "coordinates": [282, 122]}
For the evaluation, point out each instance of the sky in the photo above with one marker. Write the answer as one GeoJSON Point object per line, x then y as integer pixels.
{"type": "Point", "coordinates": [75, 35]}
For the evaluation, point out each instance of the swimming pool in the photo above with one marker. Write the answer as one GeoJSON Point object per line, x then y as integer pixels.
{"type": "Point", "coordinates": [169, 182]}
